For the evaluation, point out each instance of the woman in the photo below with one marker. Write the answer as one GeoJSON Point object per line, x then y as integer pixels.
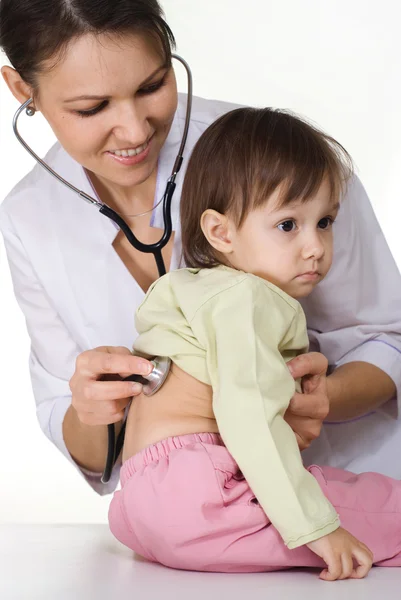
{"type": "Point", "coordinates": [101, 75]}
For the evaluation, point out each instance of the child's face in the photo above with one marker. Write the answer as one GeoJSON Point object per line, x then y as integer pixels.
{"type": "Point", "coordinates": [291, 246]}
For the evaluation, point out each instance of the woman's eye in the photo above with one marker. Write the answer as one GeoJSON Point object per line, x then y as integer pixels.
{"type": "Point", "coordinates": [287, 226]}
{"type": "Point", "coordinates": [325, 223]}
{"type": "Point", "coordinates": [92, 111]}
{"type": "Point", "coordinates": [151, 89]}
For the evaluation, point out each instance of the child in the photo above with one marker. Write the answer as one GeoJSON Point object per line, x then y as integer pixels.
{"type": "Point", "coordinates": [212, 477]}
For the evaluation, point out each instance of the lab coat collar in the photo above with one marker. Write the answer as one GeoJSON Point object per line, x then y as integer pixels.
{"type": "Point", "coordinates": [87, 241]}
{"type": "Point", "coordinates": [92, 271]}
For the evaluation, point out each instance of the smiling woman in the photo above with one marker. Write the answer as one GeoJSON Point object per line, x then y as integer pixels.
{"type": "Point", "coordinates": [135, 117]}
{"type": "Point", "coordinates": [122, 126]}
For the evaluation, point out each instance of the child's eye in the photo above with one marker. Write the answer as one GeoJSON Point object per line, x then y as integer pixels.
{"type": "Point", "coordinates": [325, 223]}
{"type": "Point", "coordinates": [287, 226]}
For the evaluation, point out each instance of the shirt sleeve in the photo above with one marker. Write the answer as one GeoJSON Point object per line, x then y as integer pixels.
{"type": "Point", "coordinates": [355, 313]}
{"type": "Point", "coordinates": [247, 330]}
{"type": "Point", "coordinates": [53, 353]}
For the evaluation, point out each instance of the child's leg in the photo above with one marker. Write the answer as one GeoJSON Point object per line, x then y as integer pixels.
{"type": "Point", "coordinates": [369, 506]}
{"type": "Point", "coordinates": [182, 505]}
{"type": "Point", "coordinates": [173, 508]}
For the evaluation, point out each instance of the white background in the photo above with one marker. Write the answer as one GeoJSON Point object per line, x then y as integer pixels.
{"type": "Point", "coordinates": [337, 62]}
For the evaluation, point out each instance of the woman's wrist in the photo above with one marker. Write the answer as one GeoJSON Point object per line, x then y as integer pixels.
{"type": "Point", "coordinates": [87, 444]}
{"type": "Point", "coordinates": [333, 385]}
{"type": "Point", "coordinates": [355, 389]}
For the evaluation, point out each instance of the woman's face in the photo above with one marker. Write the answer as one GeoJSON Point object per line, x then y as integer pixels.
{"type": "Point", "coordinates": [110, 102]}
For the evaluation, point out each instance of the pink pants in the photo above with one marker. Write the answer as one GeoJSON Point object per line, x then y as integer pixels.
{"type": "Point", "coordinates": [184, 504]}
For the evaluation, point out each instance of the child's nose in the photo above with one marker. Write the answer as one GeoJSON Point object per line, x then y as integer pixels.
{"type": "Point", "coordinates": [313, 248]}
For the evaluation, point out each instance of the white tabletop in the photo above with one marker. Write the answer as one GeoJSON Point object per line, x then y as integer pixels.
{"type": "Point", "coordinates": [84, 562]}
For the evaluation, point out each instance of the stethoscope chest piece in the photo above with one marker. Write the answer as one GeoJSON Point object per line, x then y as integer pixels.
{"type": "Point", "coordinates": [155, 380]}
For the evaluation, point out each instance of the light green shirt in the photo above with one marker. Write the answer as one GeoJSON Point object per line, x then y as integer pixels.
{"type": "Point", "coordinates": [236, 331]}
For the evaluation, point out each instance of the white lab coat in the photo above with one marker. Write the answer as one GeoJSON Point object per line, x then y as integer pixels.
{"type": "Point", "coordinates": [76, 294]}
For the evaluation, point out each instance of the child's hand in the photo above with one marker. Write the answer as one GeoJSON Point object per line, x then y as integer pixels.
{"type": "Point", "coordinates": [340, 551]}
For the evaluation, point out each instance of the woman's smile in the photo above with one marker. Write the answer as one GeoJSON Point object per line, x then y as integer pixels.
{"type": "Point", "coordinates": [131, 156]}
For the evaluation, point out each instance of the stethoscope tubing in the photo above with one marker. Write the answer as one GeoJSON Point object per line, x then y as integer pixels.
{"type": "Point", "coordinates": [115, 446]}
{"type": "Point", "coordinates": [156, 247]}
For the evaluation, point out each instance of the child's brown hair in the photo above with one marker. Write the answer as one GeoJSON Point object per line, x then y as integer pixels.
{"type": "Point", "coordinates": [243, 158]}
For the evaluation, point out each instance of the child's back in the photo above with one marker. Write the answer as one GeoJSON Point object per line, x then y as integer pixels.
{"type": "Point", "coordinates": [182, 405]}
{"type": "Point", "coordinates": [166, 322]}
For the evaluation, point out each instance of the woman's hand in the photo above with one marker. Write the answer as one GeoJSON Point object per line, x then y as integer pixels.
{"type": "Point", "coordinates": [308, 410]}
{"type": "Point", "coordinates": [98, 394]}
{"type": "Point", "coordinates": [340, 550]}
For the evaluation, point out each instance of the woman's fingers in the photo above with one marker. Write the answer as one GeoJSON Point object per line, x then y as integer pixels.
{"type": "Point", "coordinates": [104, 402]}
{"type": "Point", "coordinates": [312, 363]}
{"type": "Point", "coordinates": [314, 406]}
{"type": "Point", "coordinates": [305, 416]}
{"type": "Point", "coordinates": [103, 392]}
{"type": "Point", "coordinates": [93, 419]}
{"type": "Point", "coordinates": [98, 394]}
{"type": "Point", "coordinates": [108, 360]}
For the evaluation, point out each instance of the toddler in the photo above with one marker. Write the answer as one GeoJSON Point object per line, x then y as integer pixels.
{"type": "Point", "coordinates": [212, 477]}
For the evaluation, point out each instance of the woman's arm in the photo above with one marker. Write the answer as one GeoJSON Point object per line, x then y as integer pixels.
{"type": "Point", "coordinates": [99, 398]}
{"type": "Point", "coordinates": [86, 444]}
{"type": "Point", "coordinates": [354, 389]}
{"type": "Point", "coordinates": [52, 362]}
{"type": "Point", "coordinates": [357, 388]}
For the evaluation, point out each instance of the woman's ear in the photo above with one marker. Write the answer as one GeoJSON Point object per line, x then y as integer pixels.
{"type": "Point", "coordinates": [17, 86]}
{"type": "Point", "coordinates": [218, 230]}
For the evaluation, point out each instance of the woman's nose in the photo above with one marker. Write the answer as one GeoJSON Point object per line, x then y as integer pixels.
{"type": "Point", "coordinates": [131, 126]}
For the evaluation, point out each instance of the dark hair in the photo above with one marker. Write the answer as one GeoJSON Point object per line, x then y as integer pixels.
{"type": "Point", "coordinates": [239, 162]}
{"type": "Point", "coordinates": [35, 31]}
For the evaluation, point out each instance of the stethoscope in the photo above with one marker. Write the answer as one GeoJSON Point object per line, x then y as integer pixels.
{"type": "Point", "coordinates": [155, 380]}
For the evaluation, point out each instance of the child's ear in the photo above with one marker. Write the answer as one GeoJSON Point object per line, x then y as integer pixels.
{"type": "Point", "coordinates": [217, 229]}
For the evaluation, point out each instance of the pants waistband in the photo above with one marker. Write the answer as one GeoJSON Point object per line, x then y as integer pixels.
{"type": "Point", "coordinates": [162, 449]}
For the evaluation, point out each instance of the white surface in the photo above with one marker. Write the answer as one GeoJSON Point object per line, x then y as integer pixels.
{"type": "Point", "coordinates": [85, 562]}
{"type": "Point", "coordinates": [337, 62]}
